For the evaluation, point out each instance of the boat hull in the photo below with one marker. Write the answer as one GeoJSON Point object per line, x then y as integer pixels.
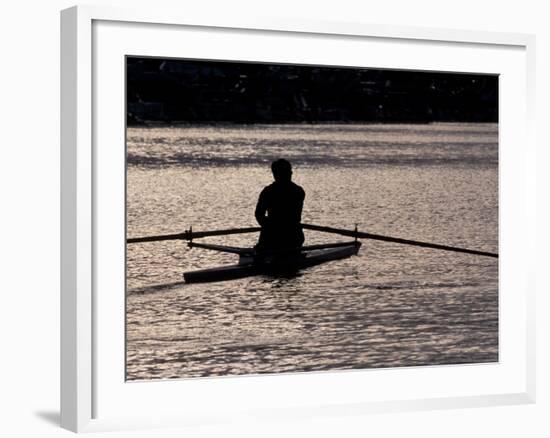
{"type": "Point", "coordinates": [272, 266]}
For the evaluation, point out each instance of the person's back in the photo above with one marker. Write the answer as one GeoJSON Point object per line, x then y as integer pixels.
{"type": "Point", "coordinates": [279, 211]}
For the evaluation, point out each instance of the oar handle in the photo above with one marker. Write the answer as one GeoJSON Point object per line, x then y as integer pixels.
{"type": "Point", "coordinates": [362, 235]}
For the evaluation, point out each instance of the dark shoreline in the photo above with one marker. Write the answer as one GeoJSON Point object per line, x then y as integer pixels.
{"type": "Point", "coordinates": [174, 91]}
{"type": "Point", "coordinates": [183, 124]}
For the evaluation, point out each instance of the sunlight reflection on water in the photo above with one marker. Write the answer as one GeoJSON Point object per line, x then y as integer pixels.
{"type": "Point", "coordinates": [392, 305]}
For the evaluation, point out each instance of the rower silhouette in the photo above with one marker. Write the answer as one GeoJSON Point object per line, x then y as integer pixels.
{"type": "Point", "coordinates": [279, 211]}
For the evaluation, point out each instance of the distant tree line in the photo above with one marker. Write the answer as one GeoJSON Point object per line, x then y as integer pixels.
{"type": "Point", "coordinates": [181, 91]}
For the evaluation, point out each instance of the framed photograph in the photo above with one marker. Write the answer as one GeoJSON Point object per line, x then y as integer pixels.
{"type": "Point", "coordinates": [290, 218]}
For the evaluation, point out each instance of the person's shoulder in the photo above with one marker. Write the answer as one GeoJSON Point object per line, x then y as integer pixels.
{"type": "Point", "coordinates": [267, 189]}
{"type": "Point", "coordinates": [298, 188]}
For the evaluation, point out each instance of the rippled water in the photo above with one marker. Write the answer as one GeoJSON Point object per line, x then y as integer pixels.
{"type": "Point", "coordinates": [392, 305]}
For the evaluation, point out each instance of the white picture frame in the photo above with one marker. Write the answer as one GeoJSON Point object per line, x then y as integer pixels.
{"type": "Point", "coordinates": [92, 391]}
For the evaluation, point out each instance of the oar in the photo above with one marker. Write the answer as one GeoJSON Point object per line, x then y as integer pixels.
{"type": "Point", "coordinates": [190, 235]}
{"type": "Point", "coordinates": [358, 234]}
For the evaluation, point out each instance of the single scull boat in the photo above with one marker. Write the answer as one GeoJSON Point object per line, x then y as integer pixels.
{"type": "Point", "coordinates": [282, 263]}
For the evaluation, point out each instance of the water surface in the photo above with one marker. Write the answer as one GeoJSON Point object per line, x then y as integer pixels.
{"type": "Point", "coordinates": [392, 305]}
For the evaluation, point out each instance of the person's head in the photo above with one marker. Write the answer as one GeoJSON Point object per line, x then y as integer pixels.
{"type": "Point", "coordinates": [282, 170]}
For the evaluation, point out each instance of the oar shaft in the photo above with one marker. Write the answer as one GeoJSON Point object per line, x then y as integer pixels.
{"type": "Point", "coordinates": [358, 234]}
{"type": "Point", "coordinates": [188, 235]}
{"type": "Point", "coordinates": [178, 236]}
